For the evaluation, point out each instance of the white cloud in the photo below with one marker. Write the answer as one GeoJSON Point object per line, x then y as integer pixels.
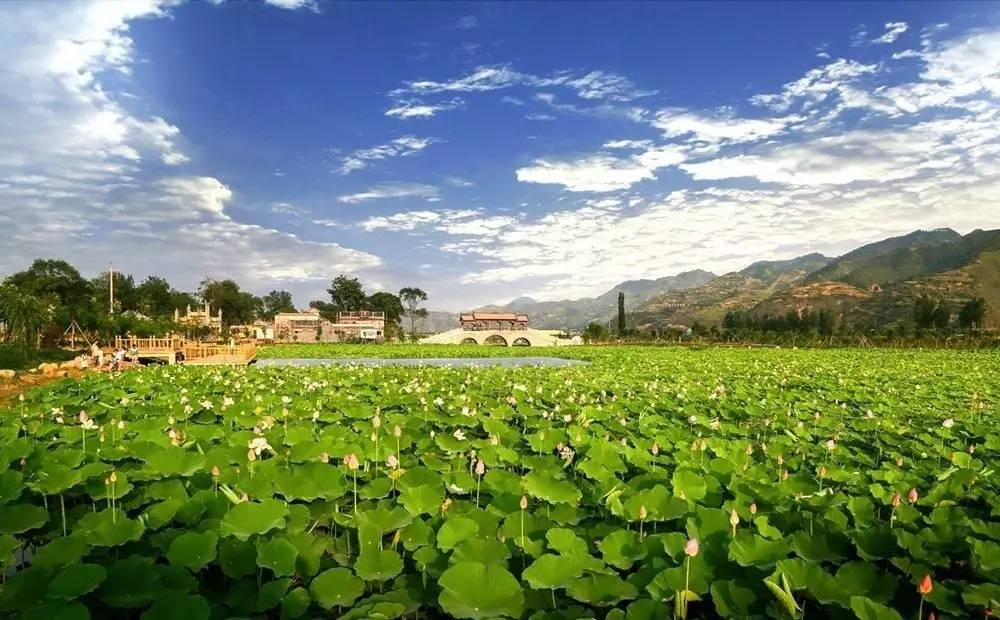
{"type": "Point", "coordinates": [294, 4]}
{"type": "Point", "coordinates": [82, 176]}
{"type": "Point", "coordinates": [675, 123]}
{"type": "Point", "coordinates": [393, 190]}
{"type": "Point", "coordinates": [467, 22]}
{"type": "Point", "coordinates": [411, 108]}
{"type": "Point", "coordinates": [817, 85]}
{"type": "Point", "coordinates": [402, 146]}
{"type": "Point", "coordinates": [459, 222]}
{"type": "Point", "coordinates": [601, 172]}
{"type": "Point", "coordinates": [286, 208]}
{"type": "Point", "coordinates": [893, 30]}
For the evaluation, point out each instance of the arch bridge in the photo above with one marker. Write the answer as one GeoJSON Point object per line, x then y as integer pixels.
{"type": "Point", "coordinates": [495, 337]}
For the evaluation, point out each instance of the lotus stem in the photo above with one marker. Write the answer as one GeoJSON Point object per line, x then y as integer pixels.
{"type": "Point", "coordinates": [62, 507]}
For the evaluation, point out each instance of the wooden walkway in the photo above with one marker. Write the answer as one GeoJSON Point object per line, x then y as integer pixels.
{"type": "Point", "coordinates": [177, 350]}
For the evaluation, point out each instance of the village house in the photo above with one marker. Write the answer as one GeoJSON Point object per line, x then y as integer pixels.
{"type": "Point", "coordinates": [309, 326]}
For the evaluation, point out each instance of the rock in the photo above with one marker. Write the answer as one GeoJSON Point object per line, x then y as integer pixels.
{"type": "Point", "coordinates": [7, 375]}
{"type": "Point", "coordinates": [48, 369]}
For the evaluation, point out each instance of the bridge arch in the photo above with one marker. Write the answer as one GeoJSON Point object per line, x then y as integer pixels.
{"type": "Point", "coordinates": [495, 340]}
{"type": "Point", "coordinates": [521, 342]}
{"type": "Point", "coordinates": [469, 341]}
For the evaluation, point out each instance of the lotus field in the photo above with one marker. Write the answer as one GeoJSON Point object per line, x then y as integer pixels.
{"type": "Point", "coordinates": [651, 483]}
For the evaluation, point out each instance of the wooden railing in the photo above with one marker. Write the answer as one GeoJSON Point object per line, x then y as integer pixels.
{"type": "Point", "coordinates": [192, 352]}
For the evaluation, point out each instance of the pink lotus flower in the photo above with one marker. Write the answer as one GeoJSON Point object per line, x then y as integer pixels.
{"type": "Point", "coordinates": [912, 496]}
{"type": "Point", "coordinates": [691, 548]}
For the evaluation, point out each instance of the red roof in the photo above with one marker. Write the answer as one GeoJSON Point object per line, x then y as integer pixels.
{"type": "Point", "coordinates": [494, 316]}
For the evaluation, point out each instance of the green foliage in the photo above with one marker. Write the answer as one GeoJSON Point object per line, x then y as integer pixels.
{"type": "Point", "coordinates": [619, 463]}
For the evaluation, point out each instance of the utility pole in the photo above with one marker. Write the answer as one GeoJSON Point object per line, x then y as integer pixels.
{"type": "Point", "coordinates": [111, 289]}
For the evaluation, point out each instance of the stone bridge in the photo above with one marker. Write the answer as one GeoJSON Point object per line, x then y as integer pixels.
{"type": "Point", "coordinates": [498, 337]}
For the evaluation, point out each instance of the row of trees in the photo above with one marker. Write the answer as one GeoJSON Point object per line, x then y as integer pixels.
{"type": "Point", "coordinates": [42, 301]}
{"type": "Point", "coordinates": [936, 313]}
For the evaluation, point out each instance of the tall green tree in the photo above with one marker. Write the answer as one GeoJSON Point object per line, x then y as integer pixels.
{"type": "Point", "coordinates": [412, 298]}
{"type": "Point", "coordinates": [391, 306]}
{"type": "Point", "coordinates": [621, 313]}
{"type": "Point", "coordinates": [942, 315]}
{"type": "Point", "coordinates": [346, 294]}
{"type": "Point", "coordinates": [22, 315]}
{"type": "Point", "coordinates": [972, 313]}
{"type": "Point", "coordinates": [49, 277]}
{"type": "Point", "coordinates": [126, 293]}
{"type": "Point", "coordinates": [237, 306]}
{"type": "Point", "coordinates": [923, 311]}
{"type": "Point", "coordinates": [275, 302]}
{"type": "Point", "coordinates": [154, 297]}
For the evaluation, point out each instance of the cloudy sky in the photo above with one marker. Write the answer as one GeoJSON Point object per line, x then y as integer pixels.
{"type": "Point", "coordinates": [485, 151]}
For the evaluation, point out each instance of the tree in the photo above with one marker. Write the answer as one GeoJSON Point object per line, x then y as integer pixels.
{"type": "Point", "coordinates": [326, 310]}
{"type": "Point", "coordinates": [22, 315]}
{"type": "Point", "coordinates": [391, 306]}
{"type": "Point", "coordinates": [621, 313]}
{"type": "Point", "coordinates": [412, 297]}
{"type": "Point", "coordinates": [972, 313]}
{"type": "Point", "coordinates": [942, 315]}
{"type": "Point", "coordinates": [923, 311]}
{"type": "Point", "coordinates": [55, 277]}
{"type": "Point", "coordinates": [126, 297]}
{"type": "Point", "coordinates": [154, 297]}
{"type": "Point", "coordinates": [595, 332]}
{"type": "Point", "coordinates": [275, 302]}
{"type": "Point", "coordinates": [237, 306]}
{"type": "Point", "coordinates": [346, 294]}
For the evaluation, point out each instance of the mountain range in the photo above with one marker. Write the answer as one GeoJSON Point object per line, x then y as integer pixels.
{"type": "Point", "coordinates": [872, 286]}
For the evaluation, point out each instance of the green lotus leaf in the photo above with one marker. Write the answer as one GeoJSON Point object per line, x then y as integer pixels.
{"type": "Point", "coordinates": [76, 580]}
{"type": "Point", "coordinates": [417, 534]}
{"type": "Point", "coordinates": [162, 513]}
{"type": "Point", "coordinates": [131, 582]}
{"type": "Point", "coordinates": [108, 528]}
{"type": "Point", "coordinates": [62, 610]}
{"type": "Point", "coordinates": [566, 542]}
{"type": "Point", "coordinates": [336, 587]}
{"type": "Point", "coordinates": [982, 595]}
{"type": "Point", "coordinates": [551, 572]}
{"type": "Point", "coordinates": [817, 547]}
{"type": "Point", "coordinates": [383, 518]}
{"type": "Point", "coordinates": [248, 518]}
{"type": "Point", "coordinates": [193, 550]}
{"type": "Point", "coordinates": [689, 485]}
{"type": "Point", "coordinates": [309, 481]}
{"type": "Point", "coordinates": [646, 609]}
{"type": "Point", "coordinates": [277, 554]}
{"type": "Point", "coordinates": [602, 590]}
{"type": "Point", "coordinates": [378, 565]}
{"type": "Point", "coordinates": [178, 607]}
{"type": "Point", "coordinates": [748, 549]}
{"type": "Point", "coordinates": [731, 599]}
{"type": "Point", "coordinates": [424, 499]}
{"type": "Point", "coordinates": [19, 518]}
{"type": "Point", "coordinates": [454, 531]}
{"type": "Point", "coordinates": [174, 462]}
{"type": "Point", "coordinates": [867, 609]}
{"type": "Point", "coordinates": [271, 593]}
{"type": "Point", "coordinates": [295, 603]}
{"type": "Point", "coordinates": [987, 554]}
{"type": "Point", "coordinates": [375, 610]}
{"type": "Point", "coordinates": [10, 485]}
{"type": "Point", "coordinates": [474, 590]}
{"type": "Point", "coordinates": [545, 486]}
{"type": "Point", "coordinates": [8, 545]}
{"type": "Point", "coordinates": [695, 573]}
{"type": "Point", "coordinates": [238, 558]}
{"type": "Point", "coordinates": [622, 548]}
{"type": "Point", "coordinates": [660, 505]}
{"type": "Point", "coordinates": [485, 551]}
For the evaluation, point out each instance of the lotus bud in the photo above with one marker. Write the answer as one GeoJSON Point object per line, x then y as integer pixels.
{"type": "Point", "coordinates": [972, 448]}
{"type": "Point", "coordinates": [895, 499]}
{"type": "Point", "coordinates": [734, 518]}
{"type": "Point", "coordinates": [524, 502]}
{"type": "Point", "coordinates": [912, 496]}
{"type": "Point", "coordinates": [753, 508]}
{"type": "Point", "coordinates": [691, 547]}
{"type": "Point", "coordinates": [396, 431]}
{"type": "Point", "coordinates": [215, 471]}
{"type": "Point", "coordinates": [831, 445]}
{"type": "Point", "coordinates": [392, 461]}
{"type": "Point", "coordinates": [642, 512]}
{"type": "Point", "coordinates": [251, 455]}
{"type": "Point", "coordinates": [480, 467]}
{"type": "Point", "coordinates": [324, 457]}
{"type": "Point", "coordinates": [822, 471]}
{"type": "Point", "coordinates": [376, 421]}
{"type": "Point", "coordinates": [899, 462]}
{"type": "Point", "coordinates": [113, 477]}
{"type": "Point", "coordinates": [374, 436]}
{"type": "Point", "coordinates": [655, 449]}
{"type": "Point", "coordinates": [83, 417]}
{"type": "Point", "coordinates": [749, 449]}
{"type": "Point", "coordinates": [925, 586]}
{"type": "Point", "coordinates": [780, 460]}
{"type": "Point", "coordinates": [948, 423]}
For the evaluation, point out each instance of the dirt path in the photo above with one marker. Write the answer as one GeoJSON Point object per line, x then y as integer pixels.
{"type": "Point", "coordinates": [30, 380]}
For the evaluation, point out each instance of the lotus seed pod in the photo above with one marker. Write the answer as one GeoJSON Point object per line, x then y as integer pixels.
{"type": "Point", "coordinates": [524, 502]}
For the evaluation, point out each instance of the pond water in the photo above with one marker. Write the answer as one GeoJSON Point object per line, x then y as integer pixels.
{"type": "Point", "coordinates": [508, 362]}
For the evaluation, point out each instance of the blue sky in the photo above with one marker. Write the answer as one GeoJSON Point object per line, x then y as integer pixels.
{"type": "Point", "coordinates": [484, 151]}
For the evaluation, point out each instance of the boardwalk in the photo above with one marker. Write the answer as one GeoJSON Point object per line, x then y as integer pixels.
{"type": "Point", "coordinates": [177, 350]}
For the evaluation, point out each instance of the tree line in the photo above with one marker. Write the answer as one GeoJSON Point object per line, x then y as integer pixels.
{"type": "Point", "coordinates": [38, 304]}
